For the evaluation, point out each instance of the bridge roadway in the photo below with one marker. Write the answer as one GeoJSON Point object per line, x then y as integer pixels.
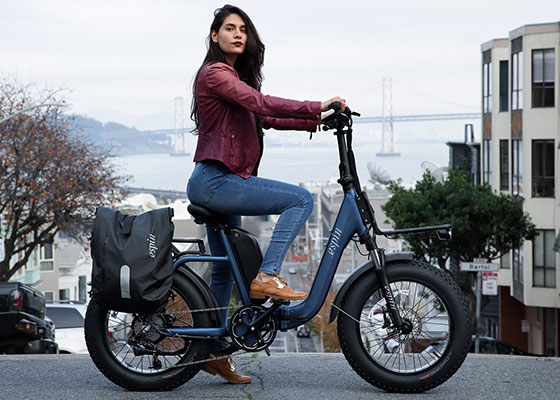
{"type": "Point", "coordinates": [365, 120]}
{"type": "Point", "coordinates": [158, 193]}
{"type": "Point", "coordinates": [292, 376]}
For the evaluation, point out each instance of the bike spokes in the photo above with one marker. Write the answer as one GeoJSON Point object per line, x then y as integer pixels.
{"type": "Point", "coordinates": [419, 346]}
{"type": "Point", "coordinates": [137, 343]}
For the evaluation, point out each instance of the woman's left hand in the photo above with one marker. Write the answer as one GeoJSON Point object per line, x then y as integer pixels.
{"type": "Point", "coordinates": [325, 104]}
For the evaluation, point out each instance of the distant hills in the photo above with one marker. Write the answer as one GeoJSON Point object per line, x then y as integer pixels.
{"type": "Point", "coordinates": [119, 139]}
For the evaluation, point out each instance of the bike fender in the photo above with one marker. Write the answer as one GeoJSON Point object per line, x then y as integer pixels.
{"type": "Point", "coordinates": [358, 273]}
{"type": "Point", "coordinates": [203, 290]}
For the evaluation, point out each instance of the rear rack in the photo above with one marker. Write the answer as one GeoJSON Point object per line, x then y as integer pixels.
{"type": "Point", "coordinates": [177, 253]}
{"type": "Point", "coordinates": [443, 231]}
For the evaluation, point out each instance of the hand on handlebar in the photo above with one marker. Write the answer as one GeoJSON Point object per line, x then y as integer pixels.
{"type": "Point", "coordinates": [341, 117]}
{"type": "Point", "coordinates": [327, 105]}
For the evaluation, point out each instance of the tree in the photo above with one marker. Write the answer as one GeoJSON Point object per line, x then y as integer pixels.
{"type": "Point", "coordinates": [485, 224]}
{"type": "Point", "coordinates": [50, 178]}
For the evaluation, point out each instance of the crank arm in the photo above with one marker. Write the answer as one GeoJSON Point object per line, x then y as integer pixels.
{"type": "Point", "coordinates": [260, 321]}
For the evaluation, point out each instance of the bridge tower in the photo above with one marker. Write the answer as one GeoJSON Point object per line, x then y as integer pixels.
{"type": "Point", "coordinates": [179, 139]}
{"type": "Point", "coordinates": [387, 139]}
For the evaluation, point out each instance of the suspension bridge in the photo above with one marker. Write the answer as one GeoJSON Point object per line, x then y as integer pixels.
{"type": "Point", "coordinates": [387, 119]}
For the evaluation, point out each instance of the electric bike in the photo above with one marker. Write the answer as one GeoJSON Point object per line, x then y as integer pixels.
{"type": "Point", "coordinates": [403, 325]}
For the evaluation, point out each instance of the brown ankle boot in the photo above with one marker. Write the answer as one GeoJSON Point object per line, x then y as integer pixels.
{"type": "Point", "coordinates": [226, 368]}
{"type": "Point", "coordinates": [275, 288]}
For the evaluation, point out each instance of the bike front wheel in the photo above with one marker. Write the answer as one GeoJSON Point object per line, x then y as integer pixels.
{"type": "Point", "coordinates": [130, 350]}
{"type": "Point", "coordinates": [419, 357]}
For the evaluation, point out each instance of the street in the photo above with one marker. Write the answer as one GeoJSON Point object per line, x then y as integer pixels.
{"type": "Point", "coordinates": [281, 376]}
{"type": "Point", "coordinates": [288, 342]}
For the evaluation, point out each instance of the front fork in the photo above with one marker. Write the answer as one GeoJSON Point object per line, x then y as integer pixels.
{"type": "Point", "coordinates": [378, 257]}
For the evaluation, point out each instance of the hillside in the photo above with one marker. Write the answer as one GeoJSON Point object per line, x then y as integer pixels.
{"type": "Point", "coordinates": [119, 139]}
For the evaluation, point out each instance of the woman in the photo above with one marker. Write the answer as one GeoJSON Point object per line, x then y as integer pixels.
{"type": "Point", "coordinates": [230, 112]}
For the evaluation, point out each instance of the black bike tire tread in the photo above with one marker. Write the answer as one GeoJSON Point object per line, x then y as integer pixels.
{"type": "Point", "coordinates": [450, 370]}
{"type": "Point", "coordinates": [174, 383]}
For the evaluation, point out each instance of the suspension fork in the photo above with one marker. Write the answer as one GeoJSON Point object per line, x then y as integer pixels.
{"type": "Point", "coordinates": [378, 257]}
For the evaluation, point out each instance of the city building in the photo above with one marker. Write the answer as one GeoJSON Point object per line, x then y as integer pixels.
{"type": "Point", "coordinates": [520, 144]}
{"type": "Point", "coordinates": [466, 155]}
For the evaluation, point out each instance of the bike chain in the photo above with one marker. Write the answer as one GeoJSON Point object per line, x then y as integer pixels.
{"type": "Point", "coordinates": [198, 337]}
{"type": "Point", "coordinates": [199, 310]}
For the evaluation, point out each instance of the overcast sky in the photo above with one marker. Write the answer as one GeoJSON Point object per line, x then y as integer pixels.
{"type": "Point", "coordinates": [126, 61]}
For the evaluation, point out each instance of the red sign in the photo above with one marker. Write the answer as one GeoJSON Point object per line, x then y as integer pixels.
{"type": "Point", "coordinates": [490, 283]}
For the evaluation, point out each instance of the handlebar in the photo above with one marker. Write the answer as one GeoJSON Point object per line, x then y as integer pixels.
{"type": "Point", "coordinates": [349, 176]}
{"type": "Point", "coordinates": [335, 106]}
{"type": "Point", "coordinates": [338, 120]}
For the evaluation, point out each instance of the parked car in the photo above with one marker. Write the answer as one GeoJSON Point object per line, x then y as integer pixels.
{"type": "Point", "coordinates": [46, 344]}
{"type": "Point", "coordinates": [22, 316]}
{"type": "Point", "coordinates": [303, 332]}
{"type": "Point", "coordinates": [490, 345]}
{"type": "Point", "coordinates": [68, 319]}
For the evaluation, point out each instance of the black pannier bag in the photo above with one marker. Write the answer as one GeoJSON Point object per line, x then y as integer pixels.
{"type": "Point", "coordinates": [132, 261]}
{"type": "Point", "coordinates": [247, 251]}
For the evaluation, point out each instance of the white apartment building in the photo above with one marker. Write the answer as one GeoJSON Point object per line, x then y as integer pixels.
{"type": "Point", "coordinates": [520, 150]}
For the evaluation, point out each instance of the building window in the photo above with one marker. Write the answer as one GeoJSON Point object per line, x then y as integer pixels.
{"type": "Point", "coordinates": [49, 297]}
{"type": "Point", "coordinates": [542, 159]}
{"type": "Point", "coordinates": [517, 262]}
{"type": "Point", "coordinates": [64, 294]}
{"type": "Point", "coordinates": [517, 81]}
{"type": "Point", "coordinates": [517, 167]}
{"type": "Point", "coordinates": [487, 87]}
{"type": "Point", "coordinates": [504, 87]}
{"type": "Point", "coordinates": [46, 259]}
{"type": "Point", "coordinates": [544, 259]}
{"type": "Point", "coordinates": [543, 78]}
{"type": "Point", "coordinates": [487, 161]}
{"type": "Point", "coordinates": [504, 261]}
{"type": "Point", "coordinates": [504, 164]}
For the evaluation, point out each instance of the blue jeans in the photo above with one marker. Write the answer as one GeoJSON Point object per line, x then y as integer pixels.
{"type": "Point", "coordinates": [214, 186]}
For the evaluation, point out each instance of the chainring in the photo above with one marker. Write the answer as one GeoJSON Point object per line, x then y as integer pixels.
{"type": "Point", "coordinates": [248, 337]}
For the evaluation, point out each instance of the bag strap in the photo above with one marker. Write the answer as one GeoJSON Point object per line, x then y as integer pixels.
{"type": "Point", "coordinates": [125, 223]}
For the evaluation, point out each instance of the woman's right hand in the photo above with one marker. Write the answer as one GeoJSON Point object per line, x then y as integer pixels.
{"type": "Point", "coordinates": [325, 104]}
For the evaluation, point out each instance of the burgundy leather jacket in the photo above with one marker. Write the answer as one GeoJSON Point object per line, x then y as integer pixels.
{"type": "Point", "coordinates": [227, 130]}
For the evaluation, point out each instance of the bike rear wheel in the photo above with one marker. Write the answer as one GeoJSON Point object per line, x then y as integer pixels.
{"type": "Point", "coordinates": [129, 351]}
{"type": "Point", "coordinates": [432, 348]}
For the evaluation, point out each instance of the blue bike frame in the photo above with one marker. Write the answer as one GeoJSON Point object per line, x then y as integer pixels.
{"type": "Point", "coordinates": [348, 223]}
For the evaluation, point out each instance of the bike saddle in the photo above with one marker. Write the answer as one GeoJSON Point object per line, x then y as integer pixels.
{"type": "Point", "coordinates": [203, 215]}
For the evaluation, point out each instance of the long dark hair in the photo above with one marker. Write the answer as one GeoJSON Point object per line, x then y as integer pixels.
{"type": "Point", "coordinates": [248, 65]}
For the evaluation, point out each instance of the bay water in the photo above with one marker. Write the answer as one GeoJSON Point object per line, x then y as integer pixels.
{"type": "Point", "coordinates": [292, 163]}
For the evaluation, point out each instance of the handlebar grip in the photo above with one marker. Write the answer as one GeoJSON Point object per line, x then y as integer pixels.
{"type": "Point", "coordinates": [336, 106]}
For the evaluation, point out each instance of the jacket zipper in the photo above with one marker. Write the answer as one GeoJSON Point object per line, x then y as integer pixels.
{"type": "Point", "coordinates": [231, 149]}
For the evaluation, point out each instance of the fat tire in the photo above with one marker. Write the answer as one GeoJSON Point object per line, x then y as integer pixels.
{"type": "Point", "coordinates": [101, 355]}
{"type": "Point", "coordinates": [459, 338]}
